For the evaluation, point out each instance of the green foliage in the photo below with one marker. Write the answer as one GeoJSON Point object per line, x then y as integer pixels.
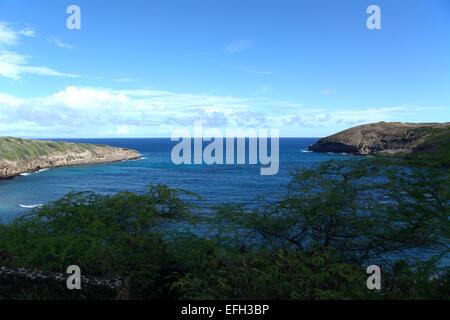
{"type": "Point", "coordinates": [16, 149]}
{"type": "Point", "coordinates": [420, 282]}
{"type": "Point", "coordinates": [269, 274]}
{"type": "Point", "coordinates": [435, 150]}
{"type": "Point", "coordinates": [364, 209]}
{"type": "Point", "coordinates": [315, 243]}
{"type": "Point", "coordinates": [106, 235]}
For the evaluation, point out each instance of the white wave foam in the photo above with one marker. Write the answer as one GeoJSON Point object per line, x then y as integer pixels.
{"type": "Point", "coordinates": [26, 174]}
{"type": "Point", "coordinates": [138, 159]}
{"type": "Point", "coordinates": [30, 206]}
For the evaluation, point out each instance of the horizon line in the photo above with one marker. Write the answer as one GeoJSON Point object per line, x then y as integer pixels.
{"type": "Point", "coordinates": [60, 138]}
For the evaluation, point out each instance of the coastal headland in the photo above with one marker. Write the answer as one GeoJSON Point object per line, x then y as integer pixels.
{"type": "Point", "coordinates": [383, 138]}
{"type": "Point", "coordinates": [18, 156]}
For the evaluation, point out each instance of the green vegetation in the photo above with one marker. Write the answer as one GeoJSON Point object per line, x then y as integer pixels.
{"type": "Point", "coordinates": [436, 149]}
{"type": "Point", "coordinates": [16, 149]}
{"type": "Point", "coordinates": [315, 243]}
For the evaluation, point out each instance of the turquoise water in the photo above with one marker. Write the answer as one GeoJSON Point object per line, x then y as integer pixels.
{"type": "Point", "coordinates": [217, 183]}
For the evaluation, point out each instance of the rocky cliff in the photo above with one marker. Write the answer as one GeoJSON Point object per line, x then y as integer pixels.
{"type": "Point", "coordinates": [19, 156]}
{"type": "Point", "coordinates": [383, 137]}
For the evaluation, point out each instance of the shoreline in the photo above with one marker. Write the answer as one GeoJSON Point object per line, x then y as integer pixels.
{"type": "Point", "coordinates": [10, 177]}
{"type": "Point", "coordinates": [20, 156]}
{"type": "Point", "coordinates": [66, 166]}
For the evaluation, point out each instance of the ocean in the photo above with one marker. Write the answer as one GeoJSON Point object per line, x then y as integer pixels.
{"type": "Point", "coordinates": [217, 184]}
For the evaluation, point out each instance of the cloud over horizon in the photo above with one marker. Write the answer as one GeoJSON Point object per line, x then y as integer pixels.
{"type": "Point", "coordinates": [101, 112]}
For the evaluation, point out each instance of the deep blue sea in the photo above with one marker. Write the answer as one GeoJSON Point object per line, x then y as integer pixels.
{"type": "Point", "coordinates": [217, 184]}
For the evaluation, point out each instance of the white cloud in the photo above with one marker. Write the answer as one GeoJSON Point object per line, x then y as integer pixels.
{"type": "Point", "coordinates": [27, 32]}
{"type": "Point", "coordinates": [13, 64]}
{"type": "Point", "coordinates": [9, 100]}
{"type": "Point", "coordinates": [57, 42]}
{"type": "Point", "coordinates": [239, 45]}
{"type": "Point", "coordinates": [10, 64]}
{"type": "Point", "coordinates": [123, 112]}
{"type": "Point", "coordinates": [327, 92]}
{"type": "Point", "coordinates": [263, 89]}
{"type": "Point", "coordinates": [85, 98]}
{"type": "Point", "coordinates": [123, 130]}
{"type": "Point", "coordinates": [126, 80]}
{"type": "Point", "coordinates": [259, 72]}
{"type": "Point", "coordinates": [344, 118]}
{"type": "Point", "coordinates": [91, 112]}
{"type": "Point", "coordinates": [44, 71]}
{"type": "Point", "coordinates": [7, 36]}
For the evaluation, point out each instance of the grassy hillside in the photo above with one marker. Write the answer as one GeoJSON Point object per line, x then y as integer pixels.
{"type": "Point", "coordinates": [437, 146]}
{"type": "Point", "coordinates": [16, 149]}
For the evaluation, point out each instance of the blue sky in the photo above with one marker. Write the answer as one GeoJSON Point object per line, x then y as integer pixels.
{"type": "Point", "coordinates": [146, 68]}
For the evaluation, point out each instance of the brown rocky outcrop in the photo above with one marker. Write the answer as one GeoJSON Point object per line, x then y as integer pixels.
{"type": "Point", "coordinates": [382, 137]}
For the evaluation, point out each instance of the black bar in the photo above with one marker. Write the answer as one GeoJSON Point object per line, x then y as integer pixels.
{"type": "Point", "coordinates": [225, 309]}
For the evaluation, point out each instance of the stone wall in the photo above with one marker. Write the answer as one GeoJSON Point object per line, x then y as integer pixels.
{"type": "Point", "coordinates": [36, 285]}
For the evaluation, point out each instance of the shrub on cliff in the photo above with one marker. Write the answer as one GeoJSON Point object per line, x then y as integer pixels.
{"type": "Point", "coordinates": [315, 243]}
{"type": "Point", "coordinates": [120, 235]}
